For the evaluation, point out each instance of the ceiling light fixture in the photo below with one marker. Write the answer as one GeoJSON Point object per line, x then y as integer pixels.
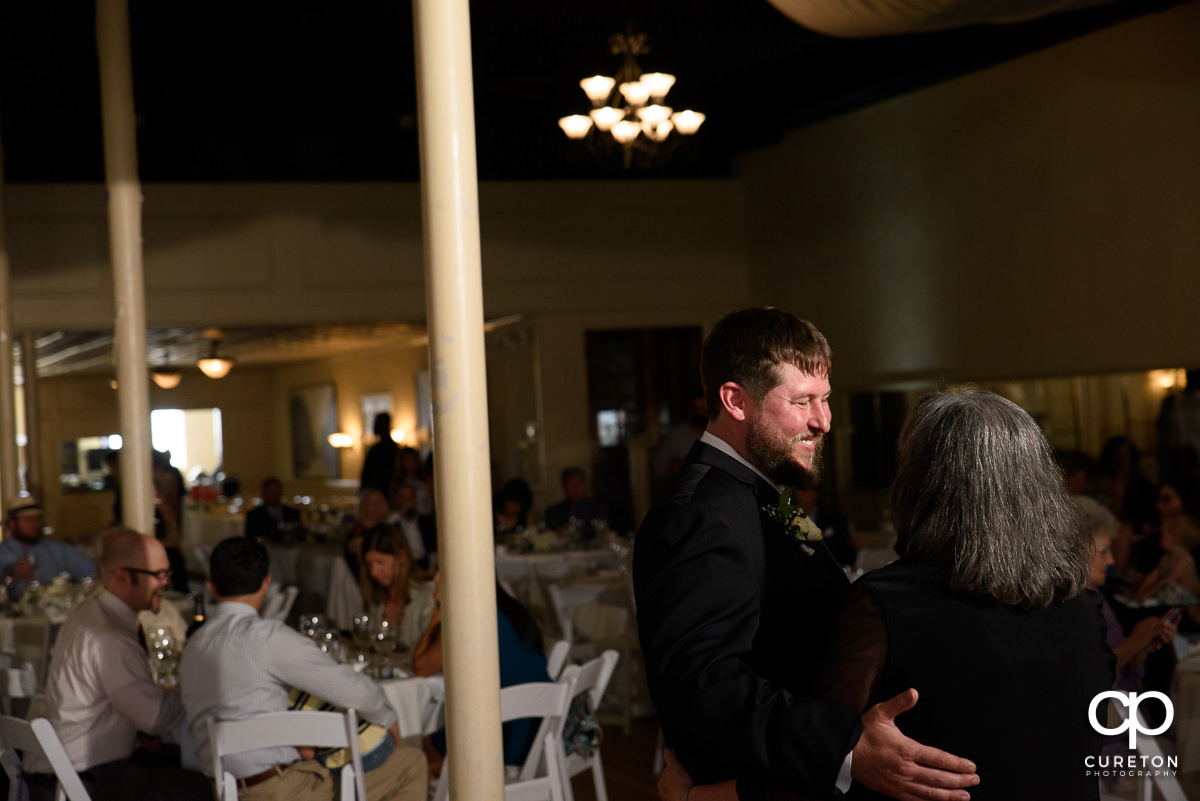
{"type": "Point", "coordinates": [215, 366]}
{"type": "Point", "coordinates": [166, 377]}
{"type": "Point", "coordinates": [629, 121]}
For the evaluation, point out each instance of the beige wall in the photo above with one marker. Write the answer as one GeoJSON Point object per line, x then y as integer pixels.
{"type": "Point", "coordinates": [1037, 218]}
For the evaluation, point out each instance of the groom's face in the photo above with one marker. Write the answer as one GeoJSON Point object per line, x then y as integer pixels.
{"type": "Point", "coordinates": [787, 427]}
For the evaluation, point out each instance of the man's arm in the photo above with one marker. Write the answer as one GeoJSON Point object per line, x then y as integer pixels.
{"type": "Point", "coordinates": [298, 662]}
{"type": "Point", "coordinates": [125, 676]}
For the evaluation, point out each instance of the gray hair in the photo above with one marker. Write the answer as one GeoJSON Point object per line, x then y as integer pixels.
{"type": "Point", "coordinates": [1096, 518]}
{"type": "Point", "coordinates": [978, 490]}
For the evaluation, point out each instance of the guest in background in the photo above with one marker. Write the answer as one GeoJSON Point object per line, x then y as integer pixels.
{"type": "Point", "coordinates": [420, 530]}
{"type": "Point", "coordinates": [678, 441]}
{"type": "Point", "coordinates": [100, 695]}
{"type": "Point", "coordinates": [1149, 633]}
{"type": "Point", "coordinates": [414, 473]}
{"type": "Point", "coordinates": [266, 522]}
{"type": "Point", "coordinates": [1179, 430]}
{"type": "Point", "coordinates": [834, 527]}
{"type": "Point", "coordinates": [27, 555]}
{"type": "Point", "coordinates": [510, 508]}
{"type": "Point", "coordinates": [345, 592]}
{"type": "Point", "coordinates": [392, 585]}
{"type": "Point", "coordinates": [577, 511]}
{"type": "Point", "coordinates": [1077, 466]}
{"type": "Point", "coordinates": [1128, 494]}
{"type": "Point", "coordinates": [379, 465]}
{"type": "Point", "coordinates": [520, 645]}
{"type": "Point", "coordinates": [373, 509]}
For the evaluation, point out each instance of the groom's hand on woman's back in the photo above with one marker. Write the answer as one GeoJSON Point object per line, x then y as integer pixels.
{"type": "Point", "coordinates": [897, 766]}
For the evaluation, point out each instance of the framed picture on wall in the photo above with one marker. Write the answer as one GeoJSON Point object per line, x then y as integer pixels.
{"type": "Point", "coordinates": [373, 404]}
{"type": "Point", "coordinates": [313, 413]}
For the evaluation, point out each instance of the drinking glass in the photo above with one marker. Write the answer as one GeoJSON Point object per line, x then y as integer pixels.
{"type": "Point", "coordinates": [363, 636]}
{"type": "Point", "coordinates": [314, 627]}
{"type": "Point", "coordinates": [384, 639]}
{"type": "Point", "coordinates": [164, 658]}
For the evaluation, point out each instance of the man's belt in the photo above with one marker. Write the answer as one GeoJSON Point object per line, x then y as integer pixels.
{"type": "Point", "coordinates": [259, 778]}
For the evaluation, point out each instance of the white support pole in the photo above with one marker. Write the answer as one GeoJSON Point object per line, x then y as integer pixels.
{"type": "Point", "coordinates": [454, 301]}
{"type": "Point", "coordinates": [33, 416]}
{"type": "Point", "coordinates": [10, 482]}
{"type": "Point", "coordinates": [125, 239]}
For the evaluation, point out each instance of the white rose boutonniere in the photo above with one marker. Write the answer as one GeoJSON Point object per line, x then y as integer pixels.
{"type": "Point", "coordinates": [799, 526]}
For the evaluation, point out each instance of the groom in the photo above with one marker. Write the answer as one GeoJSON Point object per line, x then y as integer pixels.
{"type": "Point", "coordinates": [735, 611]}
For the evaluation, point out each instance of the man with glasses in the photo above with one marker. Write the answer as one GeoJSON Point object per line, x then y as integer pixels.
{"type": "Point", "coordinates": [100, 694]}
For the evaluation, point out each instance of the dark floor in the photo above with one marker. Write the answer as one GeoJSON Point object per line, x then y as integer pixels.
{"type": "Point", "coordinates": [628, 764]}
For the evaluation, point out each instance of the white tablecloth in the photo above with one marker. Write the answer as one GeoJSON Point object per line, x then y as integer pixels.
{"type": "Point", "coordinates": [419, 702]}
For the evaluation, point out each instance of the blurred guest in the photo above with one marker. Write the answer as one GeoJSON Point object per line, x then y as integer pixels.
{"type": "Point", "coordinates": [379, 466]}
{"type": "Point", "coordinates": [1149, 633]}
{"type": "Point", "coordinates": [834, 528]}
{"type": "Point", "coordinates": [1128, 494]}
{"type": "Point", "coordinates": [266, 522]}
{"type": "Point", "coordinates": [520, 645]}
{"type": "Point", "coordinates": [510, 507]}
{"type": "Point", "coordinates": [1179, 430]}
{"type": "Point", "coordinates": [100, 695]}
{"type": "Point", "coordinates": [413, 473]}
{"type": "Point", "coordinates": [26, 555]}
{"type": "Point", "coordinates": [420, 530]}
{"type": "Point", "coordinates": [1077, 466]}
{"type": "Point", "coordinates": [1173, 580]}
{"type": "Point", "coordinates": [373, 509]}
{"type": "Point", "coordinates": [345, 593]}
{"type": "Point", "coordinates": [577, 511]}
{"type": "Point", "coordinates": [678, 441]}
{"type": "Point", "coordinates": [391, 584]}
{"type": "Point", "coordinates": [239, 665]}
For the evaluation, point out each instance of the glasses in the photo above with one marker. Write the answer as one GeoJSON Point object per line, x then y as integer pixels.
{"type": "Point", "coordinates": [161, 575]}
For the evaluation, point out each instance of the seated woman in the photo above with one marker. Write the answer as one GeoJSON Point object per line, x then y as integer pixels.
{"type": "Point", "coordinates": [345, 594]}
{"type": "Point", "coordinates": [984, 614]}
{"type": "Point", "coordinates": [1173, 581]}
{"type": "Point", "coordinates": [393, 586]}
{"type": "Point", "coordinates": [519, 641]}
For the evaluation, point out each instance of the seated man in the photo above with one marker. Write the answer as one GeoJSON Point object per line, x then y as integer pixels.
{"type": "Point", "coordinates": [100, 695]}
{"type": "Point", "coordinates": [266, 522]}
{"type": "Point", "coordinates": [576, 511]}
{"type": "Point", "coordinates": [26, 555]}
{"type": "Point", "coordinates": [238, 665]}
{"type": "Point", "coordinates": [420, 530]}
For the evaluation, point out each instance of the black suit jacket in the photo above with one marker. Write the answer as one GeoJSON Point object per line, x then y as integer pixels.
{"type": "Point", "coordinates": [260, 524]}
{"type": "Point", "coordinates": [734, 621]}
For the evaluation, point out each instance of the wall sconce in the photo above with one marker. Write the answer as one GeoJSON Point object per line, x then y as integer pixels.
{"type": "Point", "coordinates": [166, 377]}
{"type": "Point", "coordinates": [398, 435]}
{"type": "Point", "coordinates": [341, 440]}
{"type": "Point", "coordinates": [215, 366]}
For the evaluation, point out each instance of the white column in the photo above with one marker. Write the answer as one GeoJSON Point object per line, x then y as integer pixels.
{"type": "Point", "coordinates": [454, 301]}
{"type": "Point", "coordinates": [10, 482]}
{"type": "Point", "coordinates": [125, 241]}
{"type": "Point", "coordinates": [33, 416]}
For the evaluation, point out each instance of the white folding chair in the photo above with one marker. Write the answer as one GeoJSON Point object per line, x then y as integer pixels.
{"type": "Point", "coordinates": [612, 600]}
{"type": "Point", "coordinates": [557, 658]}
{"type": "Point", "coordinates": [273, 729]}
{"type": "Point", "coordinates": [277, 606]}
{"type": "Point", "coordinates": [591, 678]}
{"type": "Point", "coordinates": [1147, 746]}
{"type": "Point", "coordinates": [18, 679]}
{"type": "Point", "coordinates": [541, 777]}
{"type": "Point", "coordinates": [37, 737]}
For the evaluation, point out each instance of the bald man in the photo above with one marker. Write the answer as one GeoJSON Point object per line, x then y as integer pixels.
{"type": "Point", "coordinates": [100, 694]}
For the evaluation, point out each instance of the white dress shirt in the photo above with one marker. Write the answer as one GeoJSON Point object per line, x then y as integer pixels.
{"type": "Point", "coordinates": [100, 692]}
{"type": "Point", "coordinates": [237, 665]}
{"type": "Point", "coordinates": [412, 532]}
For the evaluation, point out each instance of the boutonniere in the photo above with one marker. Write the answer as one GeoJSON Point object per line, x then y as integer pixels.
{"type": "Point", "coordinates": [799, 526]}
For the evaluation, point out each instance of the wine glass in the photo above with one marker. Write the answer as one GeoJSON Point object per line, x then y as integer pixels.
{"type": "Point", "coordinates": [330, 643]}
{"type": "Point", "coordinates": [363, 636]}
{"type": "Point", "coordinates": [164, 657]}
{"type": "Point", "coordinates": [384, 639]}
{"type": "Point", "coordinates": [314, 627]}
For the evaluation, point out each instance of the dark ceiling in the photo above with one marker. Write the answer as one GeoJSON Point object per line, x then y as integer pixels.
{"type": "Point", "coordinates": [319, 91]}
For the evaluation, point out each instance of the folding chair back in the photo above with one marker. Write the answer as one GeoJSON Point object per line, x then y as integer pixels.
{"type": "Point", "coordinates": [38, 737]}
{"type": "Point", "coordinates": [591, 678]}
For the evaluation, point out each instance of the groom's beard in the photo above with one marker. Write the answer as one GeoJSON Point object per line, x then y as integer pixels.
{"type": "Point", "coordinates": [774, 453]}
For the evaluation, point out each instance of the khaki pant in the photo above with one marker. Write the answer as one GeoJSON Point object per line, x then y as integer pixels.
{"type": "Point", "coordinates": [404, 777]}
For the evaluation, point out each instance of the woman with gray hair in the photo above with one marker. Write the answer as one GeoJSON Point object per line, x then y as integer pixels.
{"type": "Point", "coordinates": [984, 614]}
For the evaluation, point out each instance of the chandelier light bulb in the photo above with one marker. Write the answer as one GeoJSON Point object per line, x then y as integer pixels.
{"type": "Point", "coordinates": [605, 118]}
{"type": "Point", "coordinates": [659, 83]}
{"type": "Point", "coordinates": [687, 122]}
{"type": "Point", "coordinates": [654, 114]}
{"type": "Point", "coordinates": [636, 93]}
{"type": "Point", "coordinates": [597, 88]}
{"type": "Point", "coordinates": [626, 131]}
{"type": "Point", "coordinates": [576, 126]}
{"type": "Point", "coordinates": [657, 131]}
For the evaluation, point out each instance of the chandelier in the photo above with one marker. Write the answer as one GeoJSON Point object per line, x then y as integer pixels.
{"type": "Point", "coordinates": [630, 120]}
